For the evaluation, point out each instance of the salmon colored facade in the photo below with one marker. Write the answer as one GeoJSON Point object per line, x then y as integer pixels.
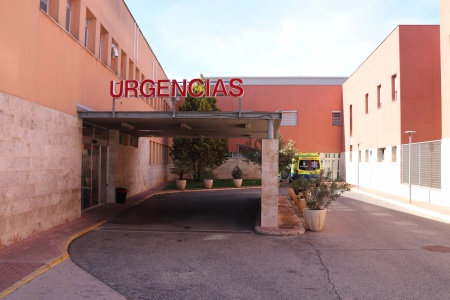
{"type": "Point", "coordinates": [57, 58]}
{"type": "Point", "coordinates": [313, 103]}
{"type": "Point", "coordinates": [308, 103]}
{"type": "Point", "coordinates": [397, 89]}
{"type": "Point", "coordinates": [445, 71]}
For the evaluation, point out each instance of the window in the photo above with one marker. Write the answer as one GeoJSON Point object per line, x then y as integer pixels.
{"type": "Point", "coordinates": [131, 71]}
{"type": "Point", "coordinates": [159, 154]}
{"type": "Point", "coordinates": [123, 65]}
{"type": "Point", "coordinates": [90, 39]}
{"type": "Point", "coordinates": [367, 104]}
{"type": "Point", "coordinates": [336, 118]}
{"type": "Point", "coordinates": [114, 57]}
{"type": "Point", "coordinates": [351, 150]}
{"type": "Point", "coordinates": [381, 152]}
{"type": "Point", "coordinates": [394, 87]}
{"type": "Point", "coordinates": [394, 153]}
{"type": "Point", "coordinates": [379, 98]}
{"type": "Point", "coordinates": [134, 141]}
{"type": "Point", "coordinates": [121, 139]}
{"type": "Point", "coordinates": [105, 52]}
{"type": "Point", "coordinates": [351, 120]}
{"type": "Point", "coordinates": [100, 47]}
{"type": "Point", "coordinates": [44, 6]}
{"type": "Point", "coordinates": [366, 155]}
{"type": "Point", "coordinates": [359, 156]}
{"type": "Point", "coordinates": [68, 15]}
{"type": "Point", "coordinates": [86, 33]}
{"type": "Point", "coordinates": [289, 118]}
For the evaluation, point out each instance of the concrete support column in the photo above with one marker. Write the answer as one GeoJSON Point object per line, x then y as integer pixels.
{"type": "Point", "coordinates": [112, 164]}
{"type": "Point", "coordinates": [269, 182]}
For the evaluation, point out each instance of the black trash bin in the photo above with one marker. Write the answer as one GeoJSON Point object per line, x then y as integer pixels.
{"type": "Point", "coordinates": [121, 195]}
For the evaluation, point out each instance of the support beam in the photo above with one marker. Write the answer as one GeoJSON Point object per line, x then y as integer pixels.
{"type": "Point", "coordinates": [270, 130]}
{"type": "Point", "coordinates": [269, 182]}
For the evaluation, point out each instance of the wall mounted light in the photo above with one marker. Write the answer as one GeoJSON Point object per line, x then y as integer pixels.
{"type": "Point", "coordinates": [126, 125]}
{"type": "Point", "coordinates": [185, 126]}
{"type": "Point", "coordinates": [114, 51]}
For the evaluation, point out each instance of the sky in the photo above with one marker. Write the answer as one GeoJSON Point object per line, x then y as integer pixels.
{"type": "Point", "coordinates": [271, 38]}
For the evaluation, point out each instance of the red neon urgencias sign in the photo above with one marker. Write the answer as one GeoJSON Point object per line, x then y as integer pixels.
{"type": "Point", "coordinates": [172, 88]}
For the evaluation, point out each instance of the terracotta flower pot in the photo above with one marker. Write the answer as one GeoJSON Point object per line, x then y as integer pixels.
{"type": "Point", "coordinates": [301, 205]}
{"type": "Point", "coordinates": [207, 183]}
{"type": "Point", "coordinates": [181, 184]}
{"type": "Point", "coordinates": [292, 194]}
{"type": "Point", "coordinates": [314, 219]}
{"type": "Point", "coordinates": [237, 182]}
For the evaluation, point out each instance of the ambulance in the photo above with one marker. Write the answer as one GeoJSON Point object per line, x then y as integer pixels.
{"type": "Point", "coordinates": [306, 165]}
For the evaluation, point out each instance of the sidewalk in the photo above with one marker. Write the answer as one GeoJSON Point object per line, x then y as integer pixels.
{"type": "Point", "coordinates": [27, 259]}
{"type": "Point", "coordinates": [434, 211]}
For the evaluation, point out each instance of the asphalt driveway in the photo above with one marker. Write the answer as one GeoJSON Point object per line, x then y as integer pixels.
{"type": "Point", "coordinates": [202, 246]}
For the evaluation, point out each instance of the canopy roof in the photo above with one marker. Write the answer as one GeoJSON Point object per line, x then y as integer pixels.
{"type": "Point", "coordinates": [187, 124]}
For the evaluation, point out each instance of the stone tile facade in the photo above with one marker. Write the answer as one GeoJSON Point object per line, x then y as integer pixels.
{"type": "Point", "coordinates": [40, 168]}
{"type": "Point", "coordinates": [269, 182]}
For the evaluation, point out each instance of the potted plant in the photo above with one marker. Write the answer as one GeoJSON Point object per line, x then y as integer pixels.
{"type": "Point", "coordinates": [180, 168]}
{"type": "Point", "coordinates": [296, 194]}
{"type": "Point", "coordinates": [319, 192]}
{"type": "Point", "coordinates": [294, 188]}
{"type": "Point", "coordinates": [208, 178]}
{"type": "Point", "coordinates": [236, 173]}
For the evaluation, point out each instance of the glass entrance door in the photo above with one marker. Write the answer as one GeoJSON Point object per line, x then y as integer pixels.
{"type": "Point", "coordinates": [94, 179]}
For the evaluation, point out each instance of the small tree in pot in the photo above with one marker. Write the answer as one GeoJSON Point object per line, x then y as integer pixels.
{"type": "Point", "coordinates": [180, 168]}
{"type": "Point", "coordinates": [236, 173]}
{"type": "Point", "coordinates": [319, 192]}
{"type": "Point", "coordinates": [208, 178]}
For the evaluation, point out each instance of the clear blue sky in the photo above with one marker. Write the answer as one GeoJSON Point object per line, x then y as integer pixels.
{"type": "Point", "coordinates": [271, 38]}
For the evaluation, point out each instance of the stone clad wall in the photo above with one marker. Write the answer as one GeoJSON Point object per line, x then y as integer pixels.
{"type": "Point", "coordinates": [249, 170]}
{"type": "Point", "coordinates": [269, 183]}
{"type": "Point", "coordinates": [130, 167]}
{"type": "Point", "coordinates": [40, 168]}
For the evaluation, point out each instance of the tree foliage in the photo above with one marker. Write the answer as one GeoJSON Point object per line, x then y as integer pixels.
{"type": "Point", "coordinates": [252, 151]}
{"type": "Point", "coordinates": [199, 154]}
{"type": "Point", "coordinates": [321, 190]}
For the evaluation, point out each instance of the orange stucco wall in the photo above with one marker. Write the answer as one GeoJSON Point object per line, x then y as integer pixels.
{"type": "Point", "coordinates": [44, 64]}
{"type": "Point", "coordinates": [420, 82]}
{"type": "Point", "coordinates": [45, 73]}
{"type": "Point", "coordinates": [314, 103]}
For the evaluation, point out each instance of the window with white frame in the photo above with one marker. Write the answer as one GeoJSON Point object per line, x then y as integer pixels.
{"type": "Point", "coordinates": [289, 118]}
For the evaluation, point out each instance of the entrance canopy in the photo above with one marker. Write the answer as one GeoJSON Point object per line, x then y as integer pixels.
{"type": "Point", "coordinates": [188, 124]}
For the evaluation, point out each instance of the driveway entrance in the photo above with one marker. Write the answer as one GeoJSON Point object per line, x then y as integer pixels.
{"type": "Point", "coordinates": [187, 212]}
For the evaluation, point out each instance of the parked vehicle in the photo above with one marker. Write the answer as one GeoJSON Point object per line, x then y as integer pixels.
{"type": "Point", "coordinates": [306, 165]}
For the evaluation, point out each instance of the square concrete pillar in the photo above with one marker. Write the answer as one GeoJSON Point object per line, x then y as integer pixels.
{"type": "Point", "coordinates": [269, 182]}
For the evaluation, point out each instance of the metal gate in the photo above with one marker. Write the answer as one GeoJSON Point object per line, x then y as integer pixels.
{"type": "Point", "coordinates": [425, 164]}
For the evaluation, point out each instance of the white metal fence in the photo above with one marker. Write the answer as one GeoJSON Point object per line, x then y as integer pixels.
{"type": "Point", "coordinates": [425, 164]}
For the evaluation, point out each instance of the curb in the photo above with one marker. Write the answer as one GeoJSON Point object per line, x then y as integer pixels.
{"type": "Point", "coordinates": [50, 264]}
{"type": "Point", "coordinates": [295, 230]}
